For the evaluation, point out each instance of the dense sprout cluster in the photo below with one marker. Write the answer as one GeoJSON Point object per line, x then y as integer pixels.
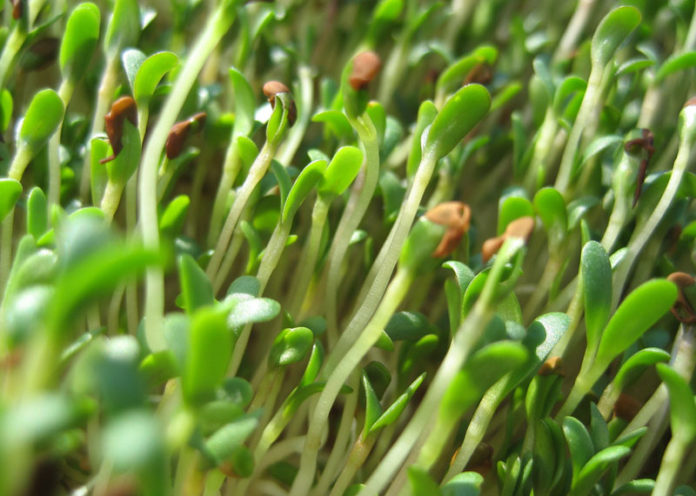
{"type": "Point", "coordinates": [339, 248]}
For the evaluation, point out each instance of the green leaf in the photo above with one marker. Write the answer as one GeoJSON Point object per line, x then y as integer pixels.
{"type": "Point", "coordinates": [247, 310]}
{"type": "Point", "coordinates": [638, 486]}
{"type": "Point", "coordinates": [196, 288]}
{"type": "Point", "coordinates": [290, 346]}
{"type": "Point", "coordinates": [426, 115]}
{"type": "Point", "coordinates": [80, 36]}
{"type": "Point", "coordinates": [551, 208]}
{"type": "Point", "coordinates": [407, 326]}
{"type": "Point", "coordinates": [244, 103]}
{"type": "Point", "coordinates": [5, 109]}
{"type": "Point", "coordinates": [630, 439]}
{"type": "Point", "coordinates": [121, 168]}
{"type": "Point", "coordinates": [569, 86]}
{"type": "Point", "coordinates": [457, 71]}
{"type": "Point", "coordinates": [511, 208]}
{"type": "Point", "coordinates": [421, 482]}
{"type": "Point", "coordinates": [10, 191]}
{"type": "Point", "coordinates": [639, 311]}
{"type": "Point", "coordinates": [210, 350]}
{"type": "Point", "coordinates": [579, 443]}
{"type": "Point", "coordinates": [682, 409]}
{"type": "Point", "coordinates": [460, 113]}
{"type": "Point", "coordinates": [394, 411]}
{"type": "Point", "coordinates": [149, 74]}
{"type": "Point", "coordinates": [336, 122]}
{"type": "Point", "coordinates": [316, 359]}
{"type": "Point", "coordinates": [224, 443]}
{"type": "Point", "coordinates": [595, 271]}
{"type": "Point", "coordinates": [341, 171]}
{"type": "Point", "coordinates": [308, 178]}
{"type": "Point", "coordinates": [632, 368]}
{"type": "Point", "coordinates": [373, 410]}
{"type": "Point", "coordinates": [598, 429]}
{"type": "Point", "coordinates": [282, 179]}
{"type": "Point", "coordinates": [98, 149]}
{"type": "Point", "coordinates": [248, 285]}
{"type": "Point", "coordinates": [485, 367]}
{"type": "Point", "coordinates": [595, 467]}
{"type": "Point", "coordinates": [614, 28]}
{"type": "Point", "coordinates": [124, 27]}
{"type": "Point", "coordinates": [171, 221]}
{"type": "Point", "coordinates": [132, 59]}
{"type": "Point", "coordinates": [677, 62]}
{"type": "Point", "coordinates": [37, 212]}
{"type": "Point", "coordinates": [598, 145]}
{"type": "Point", "coordinates": [42, 118]}
{"type": "Point", "coordinates": [464, 484]}
{"type": "Point", "coordinates": [133, 442]}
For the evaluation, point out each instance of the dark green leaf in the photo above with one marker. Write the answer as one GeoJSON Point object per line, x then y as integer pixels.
{"type": "Point", "coordinates": [421, 482]}
{"type": "Point", "coordinates": [171, 221]}
{"type": "Point", "coordinates": [464, 484]}
{"type": "Point", "coordinates": [244, 103]}
{"type": "Point", "coordinates": [316, 359]}
{"type": "Point", "coordinates": [121, 168]}
{"type": "Point", "coordinates": [579, 443]}
{"type": "Point", "coordinates": [223, 444]}
{"type": "Point", "coordinates": [595, 271]}
{"type": "Point", "coordinates": [595, 467]}
{"type": "Point", "coordinates": [373, 410]}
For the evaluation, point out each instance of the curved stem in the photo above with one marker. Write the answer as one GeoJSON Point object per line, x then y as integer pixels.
{"type": "Point", "coordinates": [462, 345]}
{"type": "Point", "coordinates": [669, 468]}
{"type": "Point", "coordinates": [360, 198]}
{"type": "Point", "coordinates": [641, 237]}
{"type": "Point", "coordinates": [393, 297]}
{"type": "Point", "coordinates": [384, 263]}
{"type": "Point", "coordinates": [357, 456]}
{"type": "Point", "coordinates": [216, 27]}
{"type": "Point", "coordinates": [9, 52]}
{"type": "Point", "coordinates": [308, 260]}
{"type": "Point", "coordinates": [111, 199]}
{"type": "Point", "coordinates": [105, 94]}
{"type": "Point", "coordinates": [256, 172]}
{"type": "Point", "coordinates": [65, 92]}
{"type": "Point", "coordinates": [287, 150]}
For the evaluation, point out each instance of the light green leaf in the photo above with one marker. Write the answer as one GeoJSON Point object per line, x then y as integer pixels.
{"type": "Point", "coordinates": [80, 37]}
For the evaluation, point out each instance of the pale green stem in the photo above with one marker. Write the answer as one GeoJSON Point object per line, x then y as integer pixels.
{"type": "Point", "coordinates": [463, 343]}
{"type": "Point", "coordinates": [477, 428]}
{"type": "Point", "coordinates": [393, 71]}
{"type": "Point", "coordinates": [542, 149]}
{"type": "Point", "coordinates": [358, 203]}
{"type": "Point", "coordinates": [459, 14]}
{"type": "Point", "coordinates": [230, 168]}
{"type": "Point", "coordinates": [588, 375]}
{"type": "Point", "coordinates": [356, 458]}
{"type": "Point", "coordinates": [20, 161]}
{"type": "Point", "coordinates": [111, 199]}
{"type": "Point", "coordinates": [287, 150]}
{"type": "Point", "coordinates": [65, 92]}
{"type": "Point", "coordinates": [588, 108]}
{"type": "Point", "coordinates": [228, 260]}
{"type": "Point", "coordinates": [269, 262]}
{"type": "Point", "coordinates": [392, 298]}
{"type": "Point", "coordinates": [436, 441]}
{"type": "Point", "coordinates": [671, 461]}
{"type": "Point", "coordinates": [256, 172]}
{"type": "Point", "coordinates": [551, 270]}
{"type": "Point", "coordinates": [12, 46]}
{"type": "Point", "coordinates": [383, 266]}
{"type": "Point", "coordinates": [641, 237]}
{"type": "Point", "coordinates": [338, 455]}
{"type": "Point", "coordinates": [308, 260]}
{"type": "Point", "coordinates": [574, 30]}
{"type": "Point", "coordinates": [104, 99]}
{"type": "Point", "coordinates": [6, 249]}
{"type": "Point", "coordinates": [216, 27]}
{"type": "Point", "coordinates": [608, 400]}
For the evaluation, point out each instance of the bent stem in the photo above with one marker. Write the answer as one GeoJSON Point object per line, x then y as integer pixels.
{"type": "Point", "coordinates": [637, 243]}
{"type": "Point", "coordinates": [355, 211]}
{"type": "Point", "coordinates": [65, 93]}
{"type": "Point", "coordinates": [383, 265]}
{"type": "Point", "coordinates": [216, 27]}
{"type": "Point", "coordinates": [466, 337]}
{"type": "Point", "coordinates": [256, 172]}
{"type": "Point", "coordinates": [308, 260]}
{"type": "Point", "coordinates": [318, 422]}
